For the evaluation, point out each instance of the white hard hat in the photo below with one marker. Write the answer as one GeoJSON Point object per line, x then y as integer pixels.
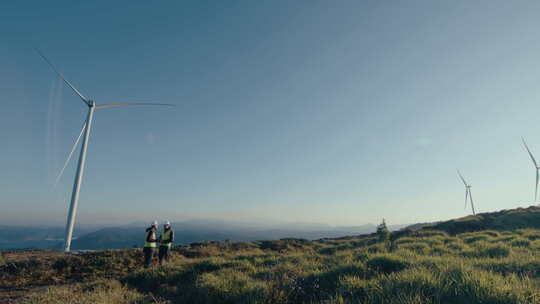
{"type": "Point", "coordinates": [155, 223]}
{"type": "Point", "coordinates": [167, 223]}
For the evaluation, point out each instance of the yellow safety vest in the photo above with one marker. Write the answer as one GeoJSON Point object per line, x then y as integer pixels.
{"type": "Point", "coordinates": [151, 233]}
{"type": "Point", "coordinates": [166, 238]}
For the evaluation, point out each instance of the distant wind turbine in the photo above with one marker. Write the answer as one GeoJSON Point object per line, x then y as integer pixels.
{"type": "Point", "coordinates": [536, 168]}
{"type": "Point", "coordinates": [468, 193]}
{"type": "Point", "coordinates": [85, 134]}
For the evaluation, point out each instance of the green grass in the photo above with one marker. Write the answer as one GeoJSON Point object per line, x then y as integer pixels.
{"type": "Point", "coordinates": [423, 267]}
{"type": "Point", "coordinates": [101, 291]}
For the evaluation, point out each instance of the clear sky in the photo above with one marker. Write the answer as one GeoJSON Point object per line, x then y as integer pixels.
{"type": "Point", "coordinates": [340, 112]}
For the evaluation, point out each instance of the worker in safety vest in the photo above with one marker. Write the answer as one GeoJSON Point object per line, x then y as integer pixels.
{"type": "Point", "coordinates": [166, 239]}
{"type": "Point", "coordinates": [150, 244]}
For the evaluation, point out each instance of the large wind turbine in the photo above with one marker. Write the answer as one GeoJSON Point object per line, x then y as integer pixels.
{"type": "Point", "coordinates": [468, 193]}
{"type": "Point", "coordinates": [536, 168]}
{"type": "Point", "coordinates": [85, 132]}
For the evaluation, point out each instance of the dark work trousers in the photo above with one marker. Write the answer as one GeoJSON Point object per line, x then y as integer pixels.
{"type": "Point", "coordinates": [148, 256]}
{"type": "Point", "coordinates": [163, 254]}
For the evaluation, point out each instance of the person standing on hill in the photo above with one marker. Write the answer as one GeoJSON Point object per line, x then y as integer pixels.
{"type": "Point", "coordinates": [166, 239]}
{"type": "Point", "coordinates": [150, 244]}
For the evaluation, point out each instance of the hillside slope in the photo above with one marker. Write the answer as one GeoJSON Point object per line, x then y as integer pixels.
{"type": "Point", "coordinates": [420, 267]}
{"type": "Point", "coordinates": [501, 220]}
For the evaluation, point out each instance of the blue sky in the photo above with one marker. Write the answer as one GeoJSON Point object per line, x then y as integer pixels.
{"type": "Point", "coordinates": [301, 111]}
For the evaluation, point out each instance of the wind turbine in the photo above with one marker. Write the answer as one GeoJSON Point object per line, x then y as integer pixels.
{"type": "Point", "coordinates": [85, 133]}
{"type": "Point", "coordinates": [535, 167]}
{"type": "Point", "coordinates": [468, 193]}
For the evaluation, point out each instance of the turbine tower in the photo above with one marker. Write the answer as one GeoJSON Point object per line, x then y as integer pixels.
{"type": "Point", "coordinates": [535, 167]}
{"type": "Point", "coordinates": [468, 193]}
{"type": "Point", "coordinates": [85, 132]}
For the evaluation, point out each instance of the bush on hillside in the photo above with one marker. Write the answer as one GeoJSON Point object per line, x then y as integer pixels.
{"type": "Point", "coordinates": [530, 234]}
{"type": "Point", "coordinates": [455, 284]}
{"type": "Point", "coordinates": [387, 263]}
{"type": "Point", "coordinates": [383, 234]}
{"type": "Point", "coordinates": [456, 246]}
{"type": "Point", "coordinates": [486, 250]}
{"type": "Point", "coordinates": [523, 268]}
{"type": "Point", "coordinates": [491, 233]}
{"type": "Point", "coordinates": [405, 240]}
{"type": "Point", "coordinates": [377, 248]}
{"type": "Point", "coordinates": [474, 239]}
{"type": "Point", "coordinates": [520, 243]}
{"type": "Point", "coordinates": [416, 247]}
{"type": "Point", "coordinates": [430, 233]}
{"type": "Point", "coordinates": [98, 292]}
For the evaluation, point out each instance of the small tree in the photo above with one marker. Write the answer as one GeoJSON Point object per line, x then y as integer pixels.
{"type": "Point", "coordinates": [382, 232]}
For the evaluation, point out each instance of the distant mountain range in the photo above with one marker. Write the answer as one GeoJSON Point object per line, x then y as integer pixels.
{"type": "Point", "coordinates": [186, 232]}
{"type": "Point", "coordinates": [28, 237]}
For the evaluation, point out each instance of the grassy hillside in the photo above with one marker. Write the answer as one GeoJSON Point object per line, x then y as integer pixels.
{"type": "Point", "coordinates": [502, 220]}
{"type": "Point", "coordinates": [426, 266]}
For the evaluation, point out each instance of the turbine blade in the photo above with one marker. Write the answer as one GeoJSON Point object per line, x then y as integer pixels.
{"type": "Point", "coordinates": [536, 187]}
{"type": "Point", "coordinates": [62, 76]}
{"type": "Point", "coordinates": [115, 105]}
{"type": "Point", "coordinates": [462, 179]}
{"type": "Point", "coordinates": [466, 197]}
{"type": "Point", "coordinates": [70, 154]}
{"type": "Point", "coordinates": [530, 154]}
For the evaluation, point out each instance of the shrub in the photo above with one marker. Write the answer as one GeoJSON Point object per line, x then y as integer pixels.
{"type": "Point", "coordinates": [521, 267]}
{"type": "Point", "coordinates": [243, 246]}
{"type": "Point", "coordinates": [488, 251]}
{"type": "Point", "coordinates": [474, 239]}
{"type": "Point", "coordinates": [320, 286]}
{"type": "Point", "coordinates": [456, 284]}
{"type": "Point", "coordinates": [360, 255]}
{"type": "Point", "coordinates": [383, 234]}
{"type": "Point", "coordinates": [521, 243]}
{"type": "Point", "coordinates": [504, 239]}
{"type": "Point", "coordinates": [387, 263]}
{"type": "Point", "coordinates": [378, 248]}
{"type": "Point", "coordinates": [102, 291]}
{"type": "Point", "coordinates": [533, 237]}
{"type": "Point", "coordinates": [491, 233]}
{"type": "Point", "coordinates": [229, 286]}
{"type": "Point", "coordinates": [448, 240]}
{"type": "Point", "coordinates": [531, 234]}
{"type": "Point", "coordinates": [440, 250]}
{"type": "Point", "coordinates": [416, 247]}
{"type": "Point", "coordinates": [431, 233]}
{"type": "Point", "coordinates": [456, 246]}
{"type": "Point", "coordinates": [430, 241]}
{"type": "Point", "coordinates": [497, 251]}
{"type": "Point", "coordinates": [405, 240]}
{"type": "Point", "coordinates": [199, 250]}
{"type": "Point", "coordinates": [328, 250]}
{"type": "Point", "coordinates": [352, 286]}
